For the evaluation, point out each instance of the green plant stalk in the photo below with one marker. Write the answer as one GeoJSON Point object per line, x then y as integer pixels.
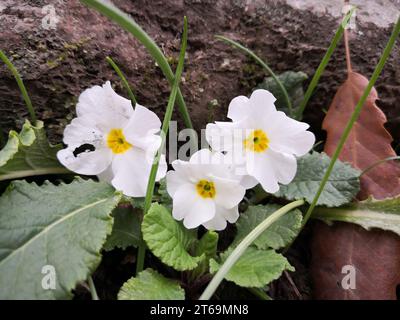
{"type": "Point", "coordinates": [264, 65]}
{"type": "Point", "coordinates": [259, 293]}
{"type": "Point", "coordinates": [354, 117]}
{"type": "Point", "coordinates": [164, 131]}
{"type": "Point", "coordinates": [379, 163]}
{"type": "Point", "coordinates": [21, 86]}
{"type": "Point", "coordinates": [33, 172]}
{"type": "Point", "coordinates": [243, 245]}
{"type": "Point", "coordinates": [323, 64]}
{"type": "Point", "coordinates": [123, 79]}
{"type": "Point", "coordinates": [92, 288]}
{"type": "Point", "coordinates": [132, 27]}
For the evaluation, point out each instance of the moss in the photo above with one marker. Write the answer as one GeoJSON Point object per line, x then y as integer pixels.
{"type": "Point", "coordinates": [69, 49]}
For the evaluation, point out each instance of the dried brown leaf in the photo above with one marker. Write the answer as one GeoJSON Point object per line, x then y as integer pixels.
{"type": "Point", "coordinates": [375, 255]}
{"type": "Point", "coordinates": [368, 141]}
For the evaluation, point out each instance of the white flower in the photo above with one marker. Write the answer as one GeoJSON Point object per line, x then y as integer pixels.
{"type": "Point", "coordinates": [111, 140]}
{"type": "Point", "coordinates": [204, 191]}
{"type": "Point", "coordinates": [261, 141]}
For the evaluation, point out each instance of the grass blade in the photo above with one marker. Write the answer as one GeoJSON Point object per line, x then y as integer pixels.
{"type": "Point", "coordinates": [264, 65]}
{"type": "Point", "coordinates": [378, 163]}
{"type": "Point", "coordinates": [132, 27]}
{"type": "Point", "coordinates": [323, 64]}
{"type": "Point", "coordinates": [164, 131]}
{"type": "Point", "coordinates": [21, 86]}
{"type": "Point", "coordinates": [123, 79]}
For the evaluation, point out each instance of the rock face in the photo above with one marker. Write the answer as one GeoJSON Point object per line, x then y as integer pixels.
{"type": "Point", "coordinates": [60, 50]}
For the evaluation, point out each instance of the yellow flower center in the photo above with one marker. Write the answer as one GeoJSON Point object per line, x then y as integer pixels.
{"type": "Point", "coordinates": [116, 141]}
{"type": "Point", "coordinates": [206, 189]}
{"type": "Point", "coordinates": [257, 141]}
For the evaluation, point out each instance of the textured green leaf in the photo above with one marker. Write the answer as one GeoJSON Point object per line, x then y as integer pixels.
{"type": "Point", "coordinates": [207, 246]}
{"type": "Point", "coordinates": [168, 239]}
{"type": "Point", "coordinates": [255, 268]}
{"type": "Point", "coordinates": [342, 185]}
{"type": "Point", "coordinates": [371, 213]}
{"type": "Point", "coordinates": [293, 83]}
{"type": "Point", "coordinates": [150, 285]}
{"type": "Point", "coordinates": [126, 229]}
{"type": "Point", "coordinates": [62, 226]}
{"type": "Point", "coordinates": [29, 153]}
{"type": "Point", "coordinates": [278, 235]}
{"type": "Point", "coordinates": [164, 197]}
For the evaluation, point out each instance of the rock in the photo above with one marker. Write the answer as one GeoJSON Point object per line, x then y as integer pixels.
{"type": "Point", "coordinates": [61, 54]}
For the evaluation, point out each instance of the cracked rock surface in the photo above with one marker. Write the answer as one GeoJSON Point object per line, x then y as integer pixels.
{"type": "Point", "coordinates": [60, 55]}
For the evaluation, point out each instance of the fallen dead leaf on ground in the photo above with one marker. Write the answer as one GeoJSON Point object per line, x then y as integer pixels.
{"type": "Point", "coordinates": [374, 255]}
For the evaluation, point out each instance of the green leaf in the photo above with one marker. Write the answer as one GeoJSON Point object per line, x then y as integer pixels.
{"type": "Point", "coordinates": [278, 235]}
{"type": "Point", "coordinates": [371, 213]}
{"type": "Point", "coordinates": [208, 244]}
{"type": "Point", "coordinates": [29, 153]}
{"type": "Point", "coordinates": [168, 239]}
{"type": "Point", "coordinates": [164, 197]}
{"type": "Point", "coordinates": [61, 226]}
{"type": "Point", "coordinates": [293, 82]}
{"type": "Point", "coordinates": [150, 285]}
{"type": "Point", "coordinates": [255, 268]}
{"type": "Point", "coordinates": [206, 247]}
{"type": "Point", "coordinates": [126, 229]}
{"type": "Point", "coordinates": [342, 186]}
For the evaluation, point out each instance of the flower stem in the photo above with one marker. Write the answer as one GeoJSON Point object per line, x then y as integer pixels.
{"type": "Point", "coordinates": [92, 288]}
{"type": "Point", "coordinates": [164, 131]}
{"type": "Point", "coordinates": [264, 65]}
{"type": "Point", "coordinates": [123, 79]}
{"type": "Point", "coordinates": [140, 256]}
{"type": "Point", "coordinates": [323, 64]}
{"type": "Point", "coordinates": [132, 27]}
{"type": "Point", "coordinates": [21, 86]}
{"type": "Point", "coordinates": [259, 293]}
{"type": "Point", "coordinates": [354, 117]}
{"type": "Point", "coordinates": [243, 245]}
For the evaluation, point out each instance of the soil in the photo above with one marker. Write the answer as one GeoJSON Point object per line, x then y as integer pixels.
{"type": "Point", "coordinates": [58, 64]}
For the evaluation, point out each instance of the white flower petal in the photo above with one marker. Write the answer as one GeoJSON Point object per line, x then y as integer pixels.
{"type": "Point", "coordinates": [278, 124]}
{"type": "Point", "coordinates": [191, 172]}
{"type": "Point", "coordinates": [229, 193]}
{"type": "Point", "coordinates": [220, 139]}
{"type": "Point", "coordinates": [107, 109]}
{"type": "Point", "coordinates": [262, 103]}
{"type": "Point", "coordinates": [248, 182]}
{"type": "Point", "coordinates": [107, 175]}
{"type": "Point", "coordinates": [175, 179]}
{"type": "Point", "coordinates": [238, 108]}
{"type": "Point", "coordinates": [259, 167]}
{"type": "Point", "coordinates": [298, 144]}
{"type": "Point", "coordinates": [143, 122]}
{"type": "Point", "coordinates": [87, 163]}
{"type": "Point", "coordinates": [218, 223]}
{"type": "Point", "coordinates": [284, 165]}
{"type": "Point", "coordinates": [222, 215]}
{"type": "Point", "coordinates": [162, 168]}
{"type": "Point", "coordinates": [82, 130]}
{"type": "Point", "coordinates": [131, 170]}
{"type": "Point", "coordinates": [189, 206]}
{"type": "Point", "coordinates": [231, 215]}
